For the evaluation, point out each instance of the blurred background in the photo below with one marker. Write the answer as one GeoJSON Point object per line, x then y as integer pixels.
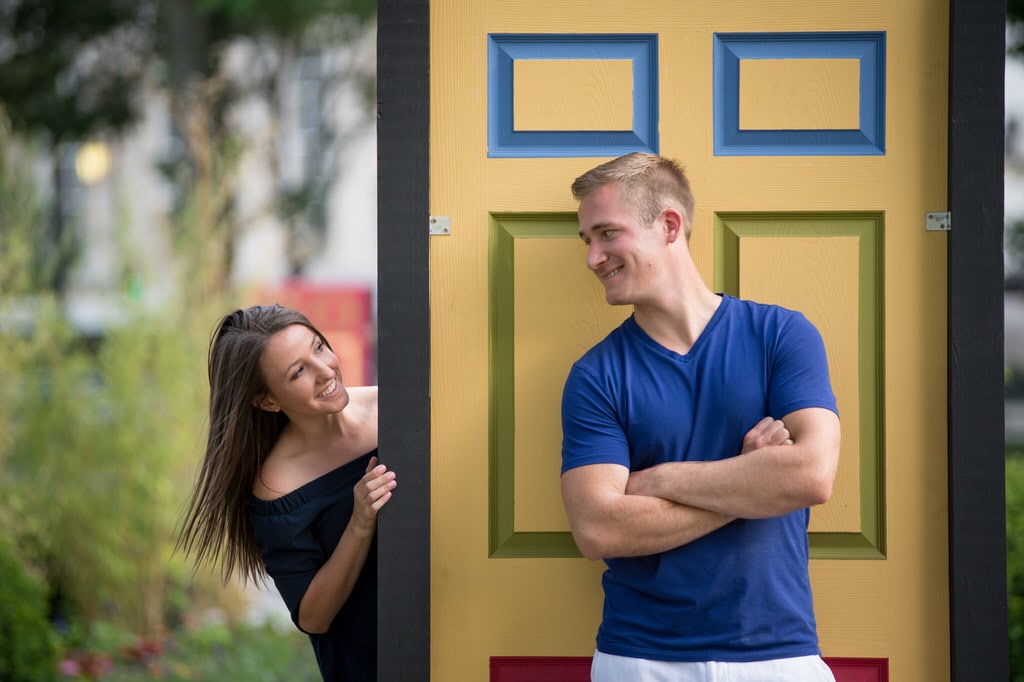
{"type": "Point", "coordinates": [162, 162]}
{"type": "Point", "coordinates": [1014, 220]}
{"type": "Point", "coordinates": [1014, 331]}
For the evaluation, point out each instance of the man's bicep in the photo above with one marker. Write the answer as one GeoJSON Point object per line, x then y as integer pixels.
{"type": "Point", "coordinates": [818, 429]}
{"type": "Point", "coordinates": [817, 423]}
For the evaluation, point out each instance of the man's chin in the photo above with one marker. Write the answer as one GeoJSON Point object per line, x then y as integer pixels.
{"type": "Point", "coordinates": [615, 299]}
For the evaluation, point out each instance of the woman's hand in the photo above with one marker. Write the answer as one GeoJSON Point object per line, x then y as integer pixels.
{"type": "Point", "coordinates": [371, 493]}
{"type": "Point", "coordinates": [332, 585]}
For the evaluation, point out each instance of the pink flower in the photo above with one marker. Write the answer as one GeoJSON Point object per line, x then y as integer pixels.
{"type": "Point", "coordinates": [69, 668]}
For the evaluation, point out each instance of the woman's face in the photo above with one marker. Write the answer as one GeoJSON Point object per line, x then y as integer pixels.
{"type": "Point", "coordinates": [303, 375]}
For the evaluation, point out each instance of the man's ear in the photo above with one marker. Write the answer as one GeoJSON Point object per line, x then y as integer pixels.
{"type": "Point", "coordinates": [673, 221]}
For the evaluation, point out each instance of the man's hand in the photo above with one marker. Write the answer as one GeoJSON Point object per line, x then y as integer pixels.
{"type": "Point", "coordinates": [766, 432]}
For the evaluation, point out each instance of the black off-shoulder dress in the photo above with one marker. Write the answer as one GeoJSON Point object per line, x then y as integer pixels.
{"type": "Point", "coordinates": [296, 533]}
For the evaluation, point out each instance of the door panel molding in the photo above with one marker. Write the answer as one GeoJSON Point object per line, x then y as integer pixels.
{"type": "Point", "coordinates": [865, 286]}
{"type": "Point", "coordinates": [505, 140]}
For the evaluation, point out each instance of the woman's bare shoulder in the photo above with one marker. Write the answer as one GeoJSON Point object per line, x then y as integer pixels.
{"type": "Point", "coordinates": [363, 392]}
{"type": "Point", "coordinates": [279, 473]}
{"type": "Point", "coordinates": [364, 417]}
{"type": "Point", "coordinates": [365, 397]}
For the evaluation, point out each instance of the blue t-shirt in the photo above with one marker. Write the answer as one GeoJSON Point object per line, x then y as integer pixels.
{"type": "Point", "coordinates": [741, 593]}
{"type": "Point", "coordinates": [296, 534]}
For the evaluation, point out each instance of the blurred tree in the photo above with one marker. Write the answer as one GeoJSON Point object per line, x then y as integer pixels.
{"type": "Point", "coordinates": [68, 69]}
{"type": "Point", "coordinates": [71, 70]}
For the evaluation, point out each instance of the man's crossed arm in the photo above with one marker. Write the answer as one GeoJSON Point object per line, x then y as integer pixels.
{"type": "Point", "coordinates": [784, 465]}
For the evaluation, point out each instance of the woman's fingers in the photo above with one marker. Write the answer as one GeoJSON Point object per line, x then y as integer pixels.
{"type": "Point", "coordinates": [376, 485]}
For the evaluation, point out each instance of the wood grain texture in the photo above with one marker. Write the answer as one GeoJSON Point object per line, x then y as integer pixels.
{"type": "Point", "coordinates": [799, 94]}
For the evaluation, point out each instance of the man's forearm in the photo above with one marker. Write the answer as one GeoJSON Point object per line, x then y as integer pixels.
{"type": "Point", "coordinates": [640, 525]}
{"type": "Point", "coordinates": [768, 482]}
{"type": "Point", "coordinates": [774, 475]}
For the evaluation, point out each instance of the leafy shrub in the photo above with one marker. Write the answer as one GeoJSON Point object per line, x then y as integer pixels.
{"type": "Point", "coordinates": [98, 436]}
{"type": "Point", "coordinates": [212, 652]}
{"type": "Point", "coordinates": [105, 441]}
{"type": "Point", "coordinates": [28, 646]}
{"type": "Point", "coordinates": [1015, 562]}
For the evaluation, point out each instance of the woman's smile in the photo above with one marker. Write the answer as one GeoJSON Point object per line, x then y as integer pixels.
{"type": "Point", "coordinates": [331, 390]}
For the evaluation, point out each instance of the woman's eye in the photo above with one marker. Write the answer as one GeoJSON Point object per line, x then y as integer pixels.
{"type": "Point", "coordinates": [298, 373]}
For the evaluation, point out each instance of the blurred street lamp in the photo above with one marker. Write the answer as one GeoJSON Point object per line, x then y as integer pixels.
{"type": "Point", "coordinates": [92, 163]}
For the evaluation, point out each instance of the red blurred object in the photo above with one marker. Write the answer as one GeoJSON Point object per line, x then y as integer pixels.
{"type": "Point", "coordinates": [344, 314]}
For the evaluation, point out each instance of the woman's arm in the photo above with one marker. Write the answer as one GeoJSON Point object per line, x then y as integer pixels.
{"type": "Point", "coordinates": [333, 583]}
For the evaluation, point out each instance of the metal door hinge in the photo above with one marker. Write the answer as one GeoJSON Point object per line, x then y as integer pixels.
{"type": "Point", "coordinates": [940, 221]}
{"type": "Point", "coordinates": [440, 224]}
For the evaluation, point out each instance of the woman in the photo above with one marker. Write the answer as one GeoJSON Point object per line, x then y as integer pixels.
{"type": "Point", "coordinates": [290, 484]}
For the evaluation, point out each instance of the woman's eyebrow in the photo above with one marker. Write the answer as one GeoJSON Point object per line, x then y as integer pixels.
{"type": "Point", "coordinates": [315, 340]}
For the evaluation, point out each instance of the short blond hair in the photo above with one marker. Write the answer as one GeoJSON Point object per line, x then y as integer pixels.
{"type": "Point", "coordinates": [650, 183]}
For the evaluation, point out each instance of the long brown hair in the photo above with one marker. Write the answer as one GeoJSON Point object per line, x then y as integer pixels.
{"type": "Point", "coordinates": [240, 435]}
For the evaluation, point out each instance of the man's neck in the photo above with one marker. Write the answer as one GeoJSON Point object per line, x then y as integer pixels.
{"type": "Point", "coordinates": [677, 326]}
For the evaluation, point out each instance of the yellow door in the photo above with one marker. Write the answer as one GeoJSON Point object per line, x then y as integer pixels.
{"type": "Point", "coordinates": [814, 133]}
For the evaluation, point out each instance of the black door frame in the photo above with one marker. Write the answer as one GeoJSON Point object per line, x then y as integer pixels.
{"type": "Point", "coordinates": [403, 336]}
{"type": "Point", "coordinates": [977, 549]}
{"type": "Point", "coordinates": [979, 646]}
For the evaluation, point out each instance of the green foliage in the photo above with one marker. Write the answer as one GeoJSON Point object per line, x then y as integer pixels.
{"type": "Point", "coordinates": [1014, 382]}
{"type": "Point", "coordinates": [104, 438]}
{"type": "Point", "coordinates": [28, 643]}
{"type": "Point", "coordinates": [99, 437]}
{"type": "Point", "coordinates": [211, 653]}
{"type": "Point", "coordinates": [1015, 24]}
{"type": "Point", "coordinates": [254, 17]}
{"type": "Point", "coordinates": [20, 212]}
{"type": "Point", "coordinates": [48, 82]}
{"type": "Point", "coordinates": [1015, 10]}
{"type": "Point", "coordinates": [71, 69]}
{"type": "Point", "coordinates": [96, 460]}
{"type": "Point", "coordinates": [1014, 246]}
{"type": "Point", "coordinates": [1015, 561]}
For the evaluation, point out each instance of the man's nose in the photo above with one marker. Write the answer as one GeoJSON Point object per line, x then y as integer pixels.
{"type": "Point", "coordinates": [595, 255]}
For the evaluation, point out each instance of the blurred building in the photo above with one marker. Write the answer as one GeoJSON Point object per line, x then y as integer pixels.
{"type": "Point", "coordinates": [1014, 213]}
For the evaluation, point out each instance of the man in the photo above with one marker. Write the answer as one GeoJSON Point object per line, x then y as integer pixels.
{"type": "Point", "coordinates": [695, 438]}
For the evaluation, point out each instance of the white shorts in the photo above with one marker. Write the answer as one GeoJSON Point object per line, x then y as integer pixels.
{"type": "Point", "coordinates": [609, 668]}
